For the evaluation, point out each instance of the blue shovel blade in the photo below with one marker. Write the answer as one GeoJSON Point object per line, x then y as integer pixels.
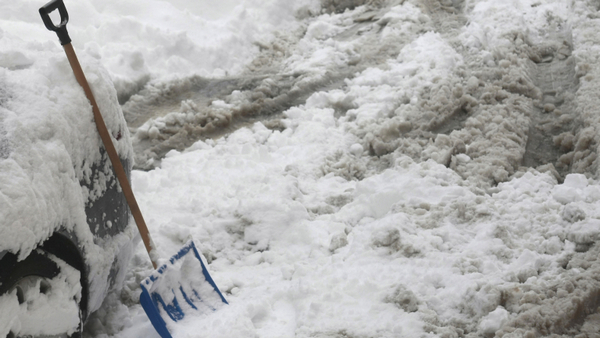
{"type": "Point", "coordinates": [179, 288]}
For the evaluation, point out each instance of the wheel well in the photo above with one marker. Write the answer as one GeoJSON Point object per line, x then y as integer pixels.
{"type": "Point", "coordinates": [12, 270]}
{"type": "Point", "coordinates": [64, 248]}
{"type": "Point", "coordinates": [61, 246]}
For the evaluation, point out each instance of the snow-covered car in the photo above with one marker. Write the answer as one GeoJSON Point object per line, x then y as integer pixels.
{"type": "Point", "coordinates": [65, 230]}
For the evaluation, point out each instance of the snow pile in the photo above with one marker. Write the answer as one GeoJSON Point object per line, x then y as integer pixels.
{"type": "Point", "coordinates": [161, 38]}
{"type": "Point", "coordinates": [406, 251]}
{"type": "Point", "coordinates": [367, 214]}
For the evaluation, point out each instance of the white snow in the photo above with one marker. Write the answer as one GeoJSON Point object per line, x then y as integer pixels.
{"type": "Point", "coordinates": [161, 38]}
{"type": "Point", "coordinates": [53, 311]}
{"type": "Point", "coordinates": [392, 202]}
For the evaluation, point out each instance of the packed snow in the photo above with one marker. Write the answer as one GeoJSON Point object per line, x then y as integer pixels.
{"type": "Point", "coordinates": [347, 168]}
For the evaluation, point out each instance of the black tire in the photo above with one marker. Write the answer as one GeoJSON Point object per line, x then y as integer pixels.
{"type": "Point", "coordinates": [37, 265]}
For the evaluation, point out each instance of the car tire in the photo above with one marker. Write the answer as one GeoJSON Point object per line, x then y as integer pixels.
{"type": "Point", "coordinates": [28, 279]}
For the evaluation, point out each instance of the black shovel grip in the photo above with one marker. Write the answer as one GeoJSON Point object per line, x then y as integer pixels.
{"type": "Point", "coordinates": [61, 29]}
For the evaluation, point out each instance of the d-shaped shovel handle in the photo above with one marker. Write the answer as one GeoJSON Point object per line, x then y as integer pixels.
{"type": "Point", "coordinates": [61, 29]}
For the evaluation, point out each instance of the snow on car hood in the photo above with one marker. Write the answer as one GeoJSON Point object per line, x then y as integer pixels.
{"type": "Point", "coordinates": [48, 141]}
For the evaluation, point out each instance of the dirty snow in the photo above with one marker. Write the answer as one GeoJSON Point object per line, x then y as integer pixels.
{"type": "Point", "coordinates": [390, 168]}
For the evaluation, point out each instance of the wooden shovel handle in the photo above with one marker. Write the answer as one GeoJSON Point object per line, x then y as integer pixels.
{"type": "Point", "coordinates": [111, 151]}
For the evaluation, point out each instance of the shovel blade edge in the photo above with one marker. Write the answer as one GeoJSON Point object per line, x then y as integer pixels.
{"type": "Point", "coordinates": [179, 288]}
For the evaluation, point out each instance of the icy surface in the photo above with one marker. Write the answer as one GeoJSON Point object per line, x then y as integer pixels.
{"type": "Point", "coordinates": [414, 168]}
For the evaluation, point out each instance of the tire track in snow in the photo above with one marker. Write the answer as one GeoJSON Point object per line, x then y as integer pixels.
{"type": "Point", "coordinates": [508, 112]}
{"type": "Point", "coordinates": [567, 305]}
{"type": "Point", "coordinates": [479, 110]}
{"type": "Point", "coordinates": [545, 78]}
{"type": "Point", "coordinates": [554, 120]}
{"type": "Point", "coordinates": [196, 108]}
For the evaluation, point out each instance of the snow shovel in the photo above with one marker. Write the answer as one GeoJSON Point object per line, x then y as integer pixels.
{"type": "Point", "coordinates": [181, 286]}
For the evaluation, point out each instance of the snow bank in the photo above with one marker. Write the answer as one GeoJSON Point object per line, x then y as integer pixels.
{"type": "Point", "coordinates": [162, 38]}
{"type": "Point", "coordinates": [396, 204]}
